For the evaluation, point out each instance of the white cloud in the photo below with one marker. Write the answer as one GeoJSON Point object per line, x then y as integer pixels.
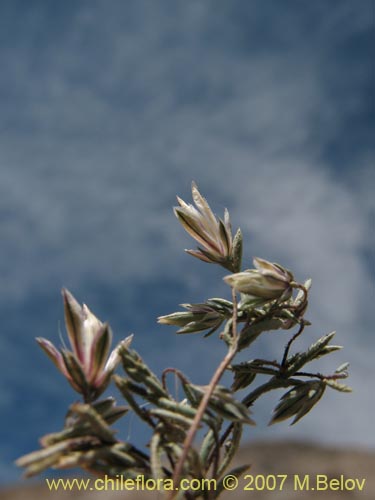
{"type": "Point", "coordinates": [103, 131]}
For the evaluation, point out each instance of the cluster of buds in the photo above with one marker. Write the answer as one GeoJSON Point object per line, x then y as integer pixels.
{"type": "Point", "coordinates": [214, 235]}
{"type": "Point", "coordinates": [87, 367]}
{"type": "Point", "coordinates": [268, 281]}
{"type": "Point", "coordinates": [199, 317]}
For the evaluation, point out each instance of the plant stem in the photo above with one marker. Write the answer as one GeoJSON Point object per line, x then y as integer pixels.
{"type": "Point", "coordinates": [335, 376]}
{"type": "Point", "coordinates": [176, 372]}
{"type": "Point", "coordinates": [274, 383]}
{"type": "Point", "coordinates": [287, 348]}
{"type": "Point", "coordinates": [206, 398]}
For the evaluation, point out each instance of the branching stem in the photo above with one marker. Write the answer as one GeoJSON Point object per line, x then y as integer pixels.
{"type": "Point", "coordinates": [206, 398]}
{"type": "Point", "coordinates": [287, 348]}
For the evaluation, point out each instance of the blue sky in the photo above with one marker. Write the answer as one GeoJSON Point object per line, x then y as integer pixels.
{"type": "Point", "coordinates": [110, 109]}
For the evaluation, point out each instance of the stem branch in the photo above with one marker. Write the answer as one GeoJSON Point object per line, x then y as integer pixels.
{"type": "Point", "coordinates": [206, 398]}
{"type": "Point", "coordinates": [287, 348]}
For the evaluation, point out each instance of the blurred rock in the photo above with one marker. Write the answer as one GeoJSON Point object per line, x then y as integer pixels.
{"type": "Point", "coordinates": [267, 459]}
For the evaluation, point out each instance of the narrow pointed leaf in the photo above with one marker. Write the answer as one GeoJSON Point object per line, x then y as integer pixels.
{"type": "Point", "coordinates": [231, 448]}
{"type": "Point", "coordinates": [207, 447]}
{"type": "Point", "coordinates": [316, 350]}
{"type": "Point", "coordinates": [314, 397]}
{"type": "Point", "coordinates": [237, 251]}
{"type": "Point", "coordinates": [155, 455]}
{"type": "Point", "coordinates": [170, 416]}
{"type": "Point", "coordinates": [76, 376]}
{"type": "Point", "coordinates": [73, 322]}
{"type": "Point", "coordinates": [338, 386]}
{"type": "Point", "coordinates": [53, 354]}
{"type": "Point", "coordinates": [202, 205]}
{"type": "Point", "coordinates": [225, 238]}
{"type": "Point", "coordinates": [99, 351]}
{"type": "Point", "coordinates": [342, 368]}
{"type": "Point", "coordinates": [96, 422]}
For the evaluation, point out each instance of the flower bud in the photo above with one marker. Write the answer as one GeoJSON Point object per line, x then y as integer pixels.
{"type": "Point", "coordinates": [214, 235]}
{"type": "Point", "coordinates": [87, 367]}
{"type": "Point", "coordinates": [268, 281]}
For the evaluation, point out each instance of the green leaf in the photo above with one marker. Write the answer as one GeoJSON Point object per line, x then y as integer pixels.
{"type": "Point", "coordinates": [222, 402]}
{"type": "Point", "coordinates": [97, 424]}
{"type": "Point", "coordinates": [155, 455]}
{"type": "Point", "coordinates": [338, 386]}
{"type": "Point", "coordinates": [169, 416]}
{"type": "Point", "coordinates": [251, 332]}
{"type": "Point", "coordinates": [78, 382]}
{"type": "Point", "coordinates": [224, 237]}
{"type": "Point", "coordinates": [221, 305]}
{"type": "Point", "coordinates": [237, 251]}
{"type": "Point", "coordinates": [104, 406]}
{"type": "Point", "coordinates": [342, 368]}
{"type": "Point", "coordinates": [139, 372]}
{"type": "Point", "coordinates": [99, 351]}
{"type": "Point", "coordinates": [316, 350]}
{"type": "Point", "coordinates": [231, 447]}
{"type": "Point", "coordinates": [242, 379]}
{"type": "Point", "coordinates": [186, 410]}
{"type": "Point", "coordinates": [73, 320]}
{"type": "Point", "coordinates": [123, 386]}
{"type": "Point", "coordinates": [298, 401]}
{"type": "Point", "coordinates": [207, 447]}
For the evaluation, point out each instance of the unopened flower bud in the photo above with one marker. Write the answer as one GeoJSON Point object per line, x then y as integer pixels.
{"type": "Point", "coordinates": [214, 235]}
{"type": "Point", "coordinates": [268, 281]}
{"type": "Point", "coordinates": [87, 367]}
